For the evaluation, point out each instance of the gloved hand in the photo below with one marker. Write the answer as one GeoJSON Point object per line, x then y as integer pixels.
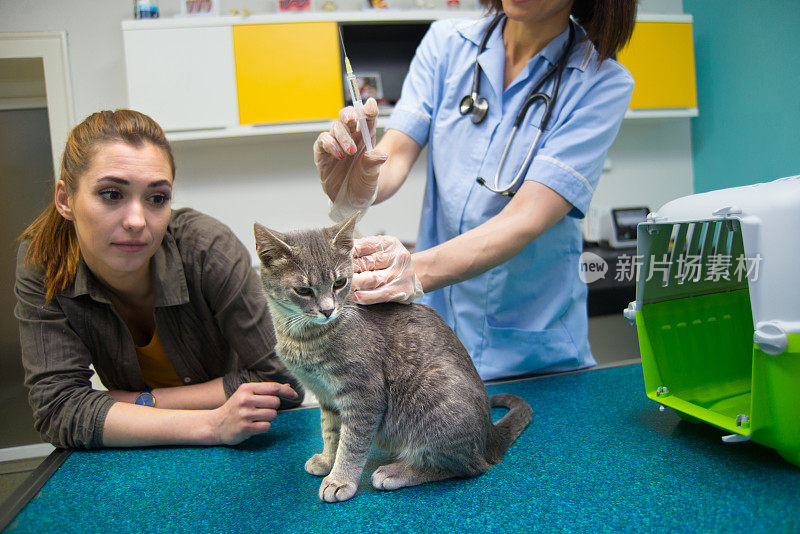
{"type": "Point", "coordinates": [349, 175]}
{"type": "Point", "coordinates": [383, 271]}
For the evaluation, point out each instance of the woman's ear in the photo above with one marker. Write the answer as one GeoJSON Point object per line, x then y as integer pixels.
{"type": "Point", "coordinates": [63, 201]}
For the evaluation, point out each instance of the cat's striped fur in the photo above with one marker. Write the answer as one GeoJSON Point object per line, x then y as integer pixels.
{"type": "Point", "coordinates": [390, 373]}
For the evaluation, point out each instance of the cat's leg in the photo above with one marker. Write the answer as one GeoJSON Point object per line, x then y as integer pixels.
{"type": "Point", "coordinates": [355, 442]}
{"type": "Point", "coordinates": [401, 475]}
{"type": "Point", "coordinates": [321, 464]}
{"type": "Point", "coordinates": [421, 467]}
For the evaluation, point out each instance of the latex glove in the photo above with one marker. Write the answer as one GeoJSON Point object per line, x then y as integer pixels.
{"type": "Point", "coordinates": [383, 271]}
{"type": "Point", "coordinates": [348, 174]}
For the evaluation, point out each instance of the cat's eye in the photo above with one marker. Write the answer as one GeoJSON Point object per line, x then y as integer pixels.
{"type": "Point", "coordinates": [338, 284]}
{"type": "Point", "coordinates": [303, 291]}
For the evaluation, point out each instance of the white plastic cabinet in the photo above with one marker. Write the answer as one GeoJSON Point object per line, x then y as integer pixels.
{"type": "Point", "coordinates": [184, 78]}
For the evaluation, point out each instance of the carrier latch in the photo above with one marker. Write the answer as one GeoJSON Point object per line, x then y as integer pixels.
{"type": "Point", "coordinates": [770, 338]}
{"type": "Point", "coordinates": [630, 313]}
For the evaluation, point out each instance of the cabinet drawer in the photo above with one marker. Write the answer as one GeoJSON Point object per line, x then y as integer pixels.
{"type": "Point", "coordinates": [288, 72]}
{"type": "Point", "coordinates": [660, 57]}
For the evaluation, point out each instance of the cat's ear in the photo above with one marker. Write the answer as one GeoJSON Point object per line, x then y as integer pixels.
{"type": "Point", "coordinates": [343, 234]}
{"type": "Point", "coordinates": [270, 245]}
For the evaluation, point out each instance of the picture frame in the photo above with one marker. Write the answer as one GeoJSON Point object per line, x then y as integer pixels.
{"type": "Point", "coordinates": [369, 85]}
{"type": "Point", "coordinates": [294, 5]}
{"type": "Point", "coordinates": [199, 8]}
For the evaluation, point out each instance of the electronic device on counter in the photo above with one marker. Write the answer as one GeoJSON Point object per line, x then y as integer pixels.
{"type": "Point", "coordinates": [618, 226]}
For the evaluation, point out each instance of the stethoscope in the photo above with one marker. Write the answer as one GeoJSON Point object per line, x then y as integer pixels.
{"type": "Point", "coordinates": [477, 106]}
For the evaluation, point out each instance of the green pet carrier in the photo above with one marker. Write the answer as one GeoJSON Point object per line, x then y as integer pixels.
{"type": "Point", "coordinates": [717, 311]}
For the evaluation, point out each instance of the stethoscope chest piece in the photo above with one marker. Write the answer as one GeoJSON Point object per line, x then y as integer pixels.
{"type": "Point", "coordinates": [476, 108]}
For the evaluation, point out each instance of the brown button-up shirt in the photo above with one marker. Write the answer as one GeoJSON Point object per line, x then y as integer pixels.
{"type": "Point", "coordinates": [210, 314]}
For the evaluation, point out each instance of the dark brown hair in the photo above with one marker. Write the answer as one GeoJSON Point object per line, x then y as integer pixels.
{"type": "Point", "coordinates": [608, 23]}
{"type": "Point", "coordinates": [54, 244]}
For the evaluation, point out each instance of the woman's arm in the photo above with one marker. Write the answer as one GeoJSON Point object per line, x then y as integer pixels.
{"type": "Point", "coordinates": [204, 396]}
{"type": "Point", "coordinates": [67, 412]}
{"type": "Point", "coordinates": [220, 265]}
{"type": "Point", "coordinates": [403, 152]}
{"type": "Point", "coordinates": [531, 211]}
{"type": "Point", "coordinates": [249, 411]}
{"type": "Point", "coordinates": [70, 414]}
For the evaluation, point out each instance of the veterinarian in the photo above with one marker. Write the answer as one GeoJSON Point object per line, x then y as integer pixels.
{"type": "Point", "coordinates": [165, 305]}
{"type": "Point", "coordinates": [518, 110]}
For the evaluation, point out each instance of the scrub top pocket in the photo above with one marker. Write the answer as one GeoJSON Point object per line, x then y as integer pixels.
{"type": "Point", "coordinates": [510, 351]}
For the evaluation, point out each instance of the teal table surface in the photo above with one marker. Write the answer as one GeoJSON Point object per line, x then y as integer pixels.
{"type": "Point", "coordinates": [598, 455]}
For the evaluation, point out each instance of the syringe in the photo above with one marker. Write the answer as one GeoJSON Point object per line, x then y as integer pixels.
{"type": "Point", "coordinates": [355, 96]}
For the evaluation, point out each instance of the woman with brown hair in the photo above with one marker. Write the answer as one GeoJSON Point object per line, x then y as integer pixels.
{"type": "Point", "coordinates": [518, 110]}
{"type": "Point", "coordinates": [164, 303]}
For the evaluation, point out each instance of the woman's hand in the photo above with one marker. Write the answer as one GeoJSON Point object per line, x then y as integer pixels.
{"type": "Point", "coordinates": [384, 271]}
{"type": "Point", "coordinates": [248, 412]}
{"type": "Point", "coordinates": [348, 174]}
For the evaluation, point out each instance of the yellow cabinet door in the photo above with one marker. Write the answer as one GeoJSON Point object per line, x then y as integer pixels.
{"type": "Point", "coordinates": [660, 57]}
{"type": "Point", "coordinates": [287, 72]}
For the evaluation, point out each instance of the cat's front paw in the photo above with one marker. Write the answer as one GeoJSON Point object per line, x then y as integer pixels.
{"type": "Point", "coordinates": [319, 465]}
{"type": "Point", "coordinates": [333, 490]}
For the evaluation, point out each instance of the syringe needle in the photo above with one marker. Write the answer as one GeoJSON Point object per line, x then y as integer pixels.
{"type": "Point", "coordinates": [355, 96]}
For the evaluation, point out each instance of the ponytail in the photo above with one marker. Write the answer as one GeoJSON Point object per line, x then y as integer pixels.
{"type": "Point", "coordinates": [54, 246]}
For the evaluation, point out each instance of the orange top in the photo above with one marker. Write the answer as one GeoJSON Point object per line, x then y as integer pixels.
{"type": "Point", "coordinates": [157, 370]}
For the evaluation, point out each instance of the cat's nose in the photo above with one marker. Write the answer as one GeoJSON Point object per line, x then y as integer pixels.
{"type": "Point", "coordinates": [327, 312]}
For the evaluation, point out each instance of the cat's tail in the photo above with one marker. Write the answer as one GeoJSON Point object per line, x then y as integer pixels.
{"type": "Point", "coordinates": [509, 427]}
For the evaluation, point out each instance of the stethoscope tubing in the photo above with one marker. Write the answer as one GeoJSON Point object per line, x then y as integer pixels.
{"type": "Point", "coordinates": [533, 96]}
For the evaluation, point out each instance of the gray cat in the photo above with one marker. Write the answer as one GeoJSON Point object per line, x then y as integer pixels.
{"type": "Point", "coordinates": [390, 373]}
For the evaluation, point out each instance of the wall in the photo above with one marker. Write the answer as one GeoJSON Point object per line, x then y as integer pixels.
{"type": "Point", "coordinates": [272, 179]}
{"type": "Point", "coordinates": [748, 75]}
{"type": "Point", "coordinates": [25, 179]}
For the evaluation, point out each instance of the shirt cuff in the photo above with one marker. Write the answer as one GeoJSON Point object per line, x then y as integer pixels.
{"type": "Point", "coordinates": [104, 405]}
{"type": "Point", "coordinates": [412, 122]}
{"type": "Point", "coordinates": [565, 181]}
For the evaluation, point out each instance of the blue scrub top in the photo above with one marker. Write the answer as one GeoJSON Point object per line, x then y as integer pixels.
{"type": "Point", "coordinates": [529, 314]}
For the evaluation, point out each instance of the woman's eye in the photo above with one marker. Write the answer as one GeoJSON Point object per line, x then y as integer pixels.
{"type": "Point", "coordinates": [338, 284]}
{"type": "Point", "coordinates": [110, 194]}
{"type": "Point", "coordinates": [160, 199]}
{"type": "Point", "coordinates": [303, 291]}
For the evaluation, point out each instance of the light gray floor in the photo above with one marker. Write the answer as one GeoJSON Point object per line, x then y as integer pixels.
{"type": "Point", "coordinates": [14, 473]}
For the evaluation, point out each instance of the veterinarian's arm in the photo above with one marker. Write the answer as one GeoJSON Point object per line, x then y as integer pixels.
{"type": "Point", "coordinates": [403, 152]}
{"type": "Point", "coordinates": [370, 177]}
{"type": "Point", "coordinates": [532, 210]}
{"type": "Point", "coordinates": [385, 273]}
